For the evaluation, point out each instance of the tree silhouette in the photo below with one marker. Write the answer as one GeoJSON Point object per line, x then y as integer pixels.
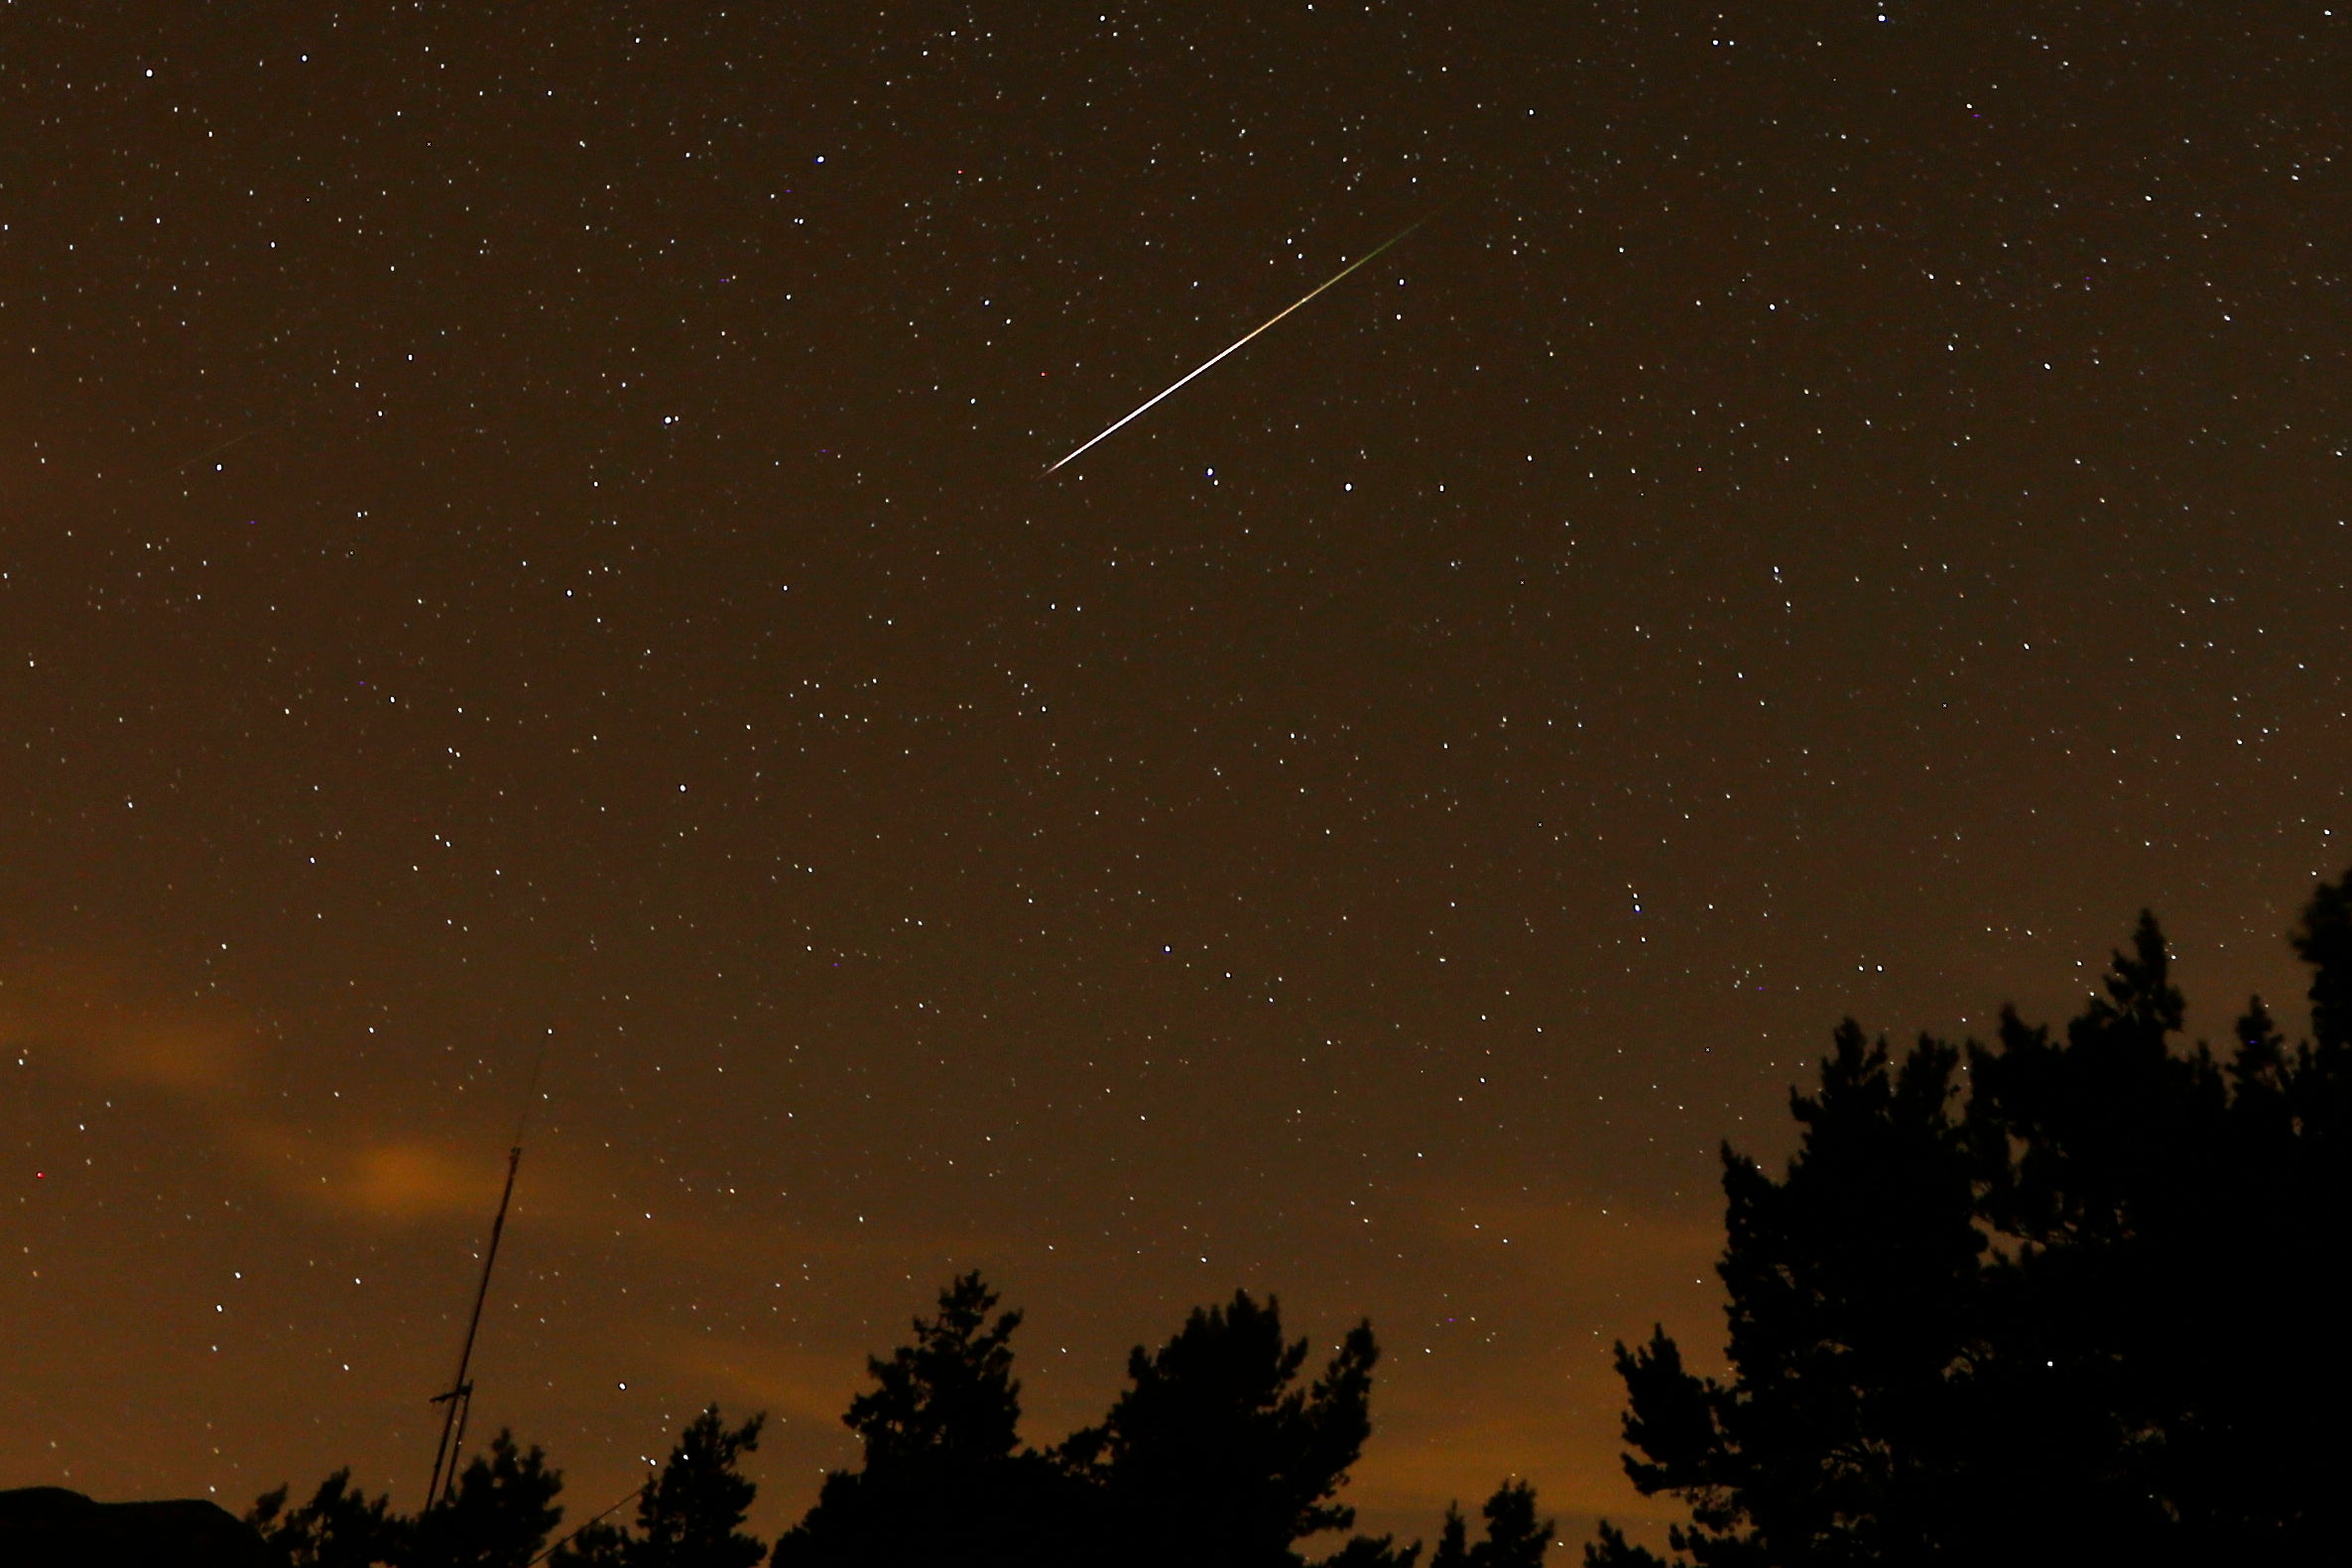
{"type": "Point", "coordinates": [337, 1528]}
{"type": "Point", "coordinates": [951, 1393]}
{"type": "Point", "coordinates": [2324, 941]}
{"type": "Point", "coordinates": [944, 1477]}
{"type": "Point", "coordinates": [2073, 1296]}
{"type": "Point", "coordinates": [1214, 1454]}
{"type": "Point", "coordinates": [1217, 1451]}
{"type": "Point", "coordinates": [689, 1515]}
{"type": "Point", "coordinates": [1515, 1538]}
{"type": "Point", "coordinates": [1373, 1551]}
{"type": "Point", "coordinates": [2105, 1173]}
{"type": "Point", "coordinates": [693, 1516]}
{"type": "Point", "coordinates": [1851, 1300]}
{"type": "Point", "coordinates": [498, 1517]}
{"type": "Point", "coordinates": [2028, 1328]}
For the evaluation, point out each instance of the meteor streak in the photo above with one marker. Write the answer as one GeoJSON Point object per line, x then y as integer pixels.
{"type": "Point", "coordinates": [1147, 407]}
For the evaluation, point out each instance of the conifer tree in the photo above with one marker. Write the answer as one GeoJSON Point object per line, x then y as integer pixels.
{"type": "Point", "coordinates": [693, 1516]}
{"type": "Point", "coordinates": [690, 1515]}
{"type": "Point", "coordinates": [1215, 1453]}
{"type": "Point", "coordinates": [2052, 1325]}
{"type": "Point", "coordinates": [499, 1517]}
{"type": "Point", "coordinates": [1515, 1538]}
{"type": "Point", "coordinates": [339, 1527]}
{"type": "Point", "coordinates": [944, 1478]}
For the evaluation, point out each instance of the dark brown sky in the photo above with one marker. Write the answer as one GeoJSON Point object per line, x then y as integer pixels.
{"type": "Point", "coordinates": [528, 529]}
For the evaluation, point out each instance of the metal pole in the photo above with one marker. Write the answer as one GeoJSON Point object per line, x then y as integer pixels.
{"type": "Point", "coordinates": [459, 1398]}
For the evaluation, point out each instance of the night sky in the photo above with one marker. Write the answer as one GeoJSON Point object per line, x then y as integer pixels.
{"type": "Point", "coordinates": [529, 530]}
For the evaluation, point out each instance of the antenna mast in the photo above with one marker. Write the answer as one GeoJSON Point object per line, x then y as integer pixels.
{"type": "Point", "coordinates": [457, 1401]}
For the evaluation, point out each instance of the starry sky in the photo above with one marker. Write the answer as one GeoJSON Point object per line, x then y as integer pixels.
{"type": "Point", "coordinates": [523, 534]}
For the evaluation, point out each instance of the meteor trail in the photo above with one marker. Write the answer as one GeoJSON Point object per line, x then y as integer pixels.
{"type": "Point", "coordinates": [215, 452]}
{"type": "Point", "coordinates": [1145, 408]}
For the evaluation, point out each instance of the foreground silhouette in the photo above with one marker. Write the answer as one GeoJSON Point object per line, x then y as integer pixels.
{"type": "Point", "coordinates": [946, 1477]}
{"type": "Point", "coordinates": [690, 1515]}
{"type": "Point", "coordinates": [1216, 1452]}
{"type": "Point", "coordinates": [52, 1527]}
{"type": "Point", "coordinates": [2069, 1297]}
{"type": "Point", "coordinates": [497, 1516]}
{"type": "Point", "coordinates": [2088, 1310]}
{"type": "Point", "coordinates": [1220, 1450]}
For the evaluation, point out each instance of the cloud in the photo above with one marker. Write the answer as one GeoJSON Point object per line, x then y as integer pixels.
{"type": "Point", "coordinates": [207, 1065]}
{"type": "Point", "coordinates": [410, 1182]}
{"type": "Point", "coordinates": [102, 1029]}
{"type": "Point", "coordinates": [801, 1385]}
{"type": "Point", "coordinates": [1591, 1256]}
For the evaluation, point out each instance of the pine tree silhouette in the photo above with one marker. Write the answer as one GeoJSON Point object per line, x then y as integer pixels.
{"type": "Point", "coordinates": [337, 1528]}
{"type": "Point", "coordinates": [499, 1517]}
{"type": "Point", "coordinates": [689, 1515]}
{"type": "Point", "coordinates": [2052, 1325]}
{"type": "Point", "coordinates": [944, 1478]}
{"type": "Point", "coordinates": [1216, 1454]}
{"type": "Point", "coordinates": [1515, 1538]}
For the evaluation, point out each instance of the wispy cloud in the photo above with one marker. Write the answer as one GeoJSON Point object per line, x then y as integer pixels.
{"type": "Point", "coordinates": [105, 1031]}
